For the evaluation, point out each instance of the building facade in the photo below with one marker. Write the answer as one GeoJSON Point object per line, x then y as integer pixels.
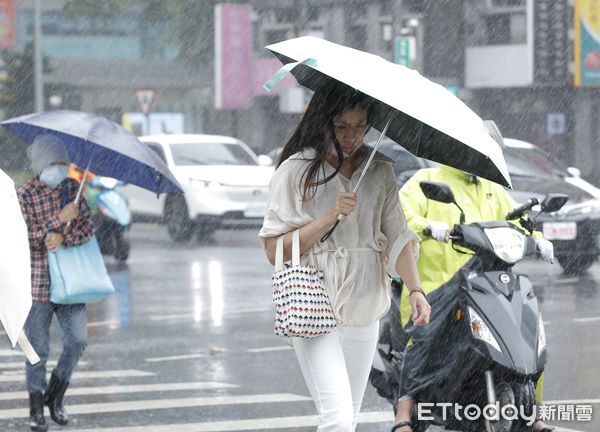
{"type": "Point", "coordinates": [510, 60]}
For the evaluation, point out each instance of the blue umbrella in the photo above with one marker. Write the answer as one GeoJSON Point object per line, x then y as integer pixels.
{"type": "Point", "coordinates": [100, 146]}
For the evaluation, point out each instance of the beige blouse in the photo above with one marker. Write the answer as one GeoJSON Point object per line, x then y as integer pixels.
{"type": "Point", "coordinates": [354, 259]}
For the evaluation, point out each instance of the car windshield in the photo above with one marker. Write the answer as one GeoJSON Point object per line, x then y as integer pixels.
{"type": "Point", "coordinates": [532, 162]}
{"type": "Point", "coordinates": [211, 154]}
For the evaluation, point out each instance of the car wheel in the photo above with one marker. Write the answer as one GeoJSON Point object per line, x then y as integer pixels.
{"type": "Point", "coordinates": [177, 219]}
{"type": "Point", "coordinates": [575, 264]}
{"type": "Point", "coordinates": [205, 232]}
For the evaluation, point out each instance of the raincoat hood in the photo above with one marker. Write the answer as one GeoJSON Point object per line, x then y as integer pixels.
{"type": "Point", "coordinates": [44, 150]}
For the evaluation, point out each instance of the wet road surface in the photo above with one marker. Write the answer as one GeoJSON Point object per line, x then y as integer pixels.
{"type": "Point", "coordinates": [186, 344]}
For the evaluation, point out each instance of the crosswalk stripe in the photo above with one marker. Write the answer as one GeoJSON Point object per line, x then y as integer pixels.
{"type": "Point", "coordinates": [103, 323]}
{"type": "Point", "coordinates": [21, 364]}
{"type": "Point", "coordinates": [178, 357]}
{"type": "Point", "coordinates": [125, 373]}
{"type": "Point", "coordinates": [269, 349]}
{"type": "Point", "coordinates": [254, 424]}
{"type": "Point", "coordinates": [573, 402]}
{"type": "Point", "coordinates": [244, 425]}
{"type": "Point", "coordinates": [133, 388]}
{"type": "Point", "coordinates": [588, 319]}
{"type": "Point", "coordinates": [11, 353]}
{"type": "Point", "coordinates": [155, 404]}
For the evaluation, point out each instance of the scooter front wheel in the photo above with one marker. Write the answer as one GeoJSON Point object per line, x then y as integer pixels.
{"type": "Point", "coordinates": [520, 395]}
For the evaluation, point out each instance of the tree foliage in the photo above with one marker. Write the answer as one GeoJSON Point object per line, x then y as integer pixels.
{"type": "Point", "coordinates": [17, 94]}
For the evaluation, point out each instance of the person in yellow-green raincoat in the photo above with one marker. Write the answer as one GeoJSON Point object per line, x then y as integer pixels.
{"type": "Point", "coordinates": [481, 201]}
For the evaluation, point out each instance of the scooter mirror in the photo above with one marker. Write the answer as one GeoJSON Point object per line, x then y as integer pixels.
{"type": "Point", "coordinates": [437, 191]}
{"type": "Point", "coordinates": [554, 202]}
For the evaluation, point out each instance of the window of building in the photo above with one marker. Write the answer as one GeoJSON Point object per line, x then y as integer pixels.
{"type": "Point", "coordinates": [508, 3]}
{"type": "Point", "coordinates": [274, 36]}
{"type": "Point", "coordinates": [506, 29]}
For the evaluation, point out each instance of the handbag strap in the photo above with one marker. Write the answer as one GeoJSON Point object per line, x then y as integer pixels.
{"type": "Point", "coordinates": [279, 253]}
{"type": "Point", "coordinates": [295, 250]}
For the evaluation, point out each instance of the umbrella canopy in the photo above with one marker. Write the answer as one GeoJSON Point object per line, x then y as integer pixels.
{"type": "Point", "coordinates": [426, 118]}
{"type": "Point", "coordinates": [103, 146]}
{"type": "Point", "coordinates": [15, 266]}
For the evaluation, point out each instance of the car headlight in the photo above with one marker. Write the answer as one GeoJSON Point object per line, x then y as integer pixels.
{"type": "Point", "coordinates": [541, 337]}
{"type": "Point", "coordinates": [508, 243]}
{"type": "Point", "coordinates": [205, 183]}
{"type": "Point", "coordinates": [481, 331]}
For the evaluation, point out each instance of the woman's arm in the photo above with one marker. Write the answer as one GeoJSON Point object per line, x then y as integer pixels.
{"type": "Point", "coordinates": [312, 232]}
{"type": "Point", "coordinates": [406, 267]}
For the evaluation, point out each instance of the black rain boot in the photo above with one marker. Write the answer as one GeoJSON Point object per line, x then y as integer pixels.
{"type": "Point", "coordinates": [53, 398]}
{"type": "Point", "coordinates": [37, 422]}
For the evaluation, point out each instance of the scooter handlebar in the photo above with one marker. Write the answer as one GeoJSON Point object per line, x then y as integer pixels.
{"type": "Point", "coordinates": [519, 211]}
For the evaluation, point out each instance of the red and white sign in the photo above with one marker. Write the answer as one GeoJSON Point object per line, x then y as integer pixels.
{"type": "Point", "coordinates": [7, 24]}
{"type": "Point", "coordinates": [145, 98]}
{"type": "Point", "coordinates": [233, 56]}
{"type": "Point", "coordinates": [560, 230]}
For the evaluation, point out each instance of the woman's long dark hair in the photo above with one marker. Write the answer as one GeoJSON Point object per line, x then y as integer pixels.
{"type": "Point", "coordinates": [316, 131]}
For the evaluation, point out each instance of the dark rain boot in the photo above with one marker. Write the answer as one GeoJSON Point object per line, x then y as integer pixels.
{"type": "Point", "coordinates": [53, 398]}
{"type": "Point", "coordinates": [37, 422]}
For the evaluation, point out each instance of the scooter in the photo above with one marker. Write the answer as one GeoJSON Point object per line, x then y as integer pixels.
{"type": "Point", "coordinates": [492, 344]}
{"type": "Point", "coordinates": [111, 216]}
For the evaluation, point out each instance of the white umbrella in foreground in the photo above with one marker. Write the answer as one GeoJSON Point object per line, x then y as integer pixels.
{"type": "Point", "coordinates": [420, 115]}
{"type": "Point", "coordinates": [424, 117]}
{"type": "Point", "coordinates": [15, 268]}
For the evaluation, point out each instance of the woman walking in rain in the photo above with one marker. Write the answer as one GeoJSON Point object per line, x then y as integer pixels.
{"type": "Point", "coordinates": [41, 202]}
{"type": "Point", "coordinates": [312, 185]}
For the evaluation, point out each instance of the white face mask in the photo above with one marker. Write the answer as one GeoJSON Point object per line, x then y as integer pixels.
{"type": "Point", "coordinates": [53, 175]}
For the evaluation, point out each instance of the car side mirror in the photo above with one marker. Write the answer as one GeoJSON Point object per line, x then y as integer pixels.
{"type": "Point", "coordinates": [575, 172]}
{"type": "Point", "coordinates": [264, 160]}
{"type": "Point", "coordinates": [437, 191]}
{"type": "Point", "coordinates": [553, 202]}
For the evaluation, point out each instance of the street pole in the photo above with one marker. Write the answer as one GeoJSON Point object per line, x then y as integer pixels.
{"type": "Point", "coordinates": [397, 17]}
{"type": "Point", "coordinates": [301, 22]}
{"type": "Point", "coordinates": [37, 59]}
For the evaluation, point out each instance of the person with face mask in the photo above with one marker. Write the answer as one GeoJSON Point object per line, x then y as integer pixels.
{"type": "Point", "coordinates": [42, 202]}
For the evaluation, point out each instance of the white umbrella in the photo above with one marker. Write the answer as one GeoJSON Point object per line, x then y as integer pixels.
{"type": "Point", "coordinates": [420, 115]}
{"type": "Point", "coordinates": [15, 268]}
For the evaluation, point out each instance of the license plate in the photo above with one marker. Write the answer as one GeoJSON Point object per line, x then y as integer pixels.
{"type": "Point", "coordinates": [560, 230]}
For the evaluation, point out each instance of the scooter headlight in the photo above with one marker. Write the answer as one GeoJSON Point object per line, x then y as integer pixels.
{"type": "Point", "coordinates": [508, 243]}
{"type": "Point", "coordinates": [541, 337]}
{"type": "Point", "coordinates": [481, 331]}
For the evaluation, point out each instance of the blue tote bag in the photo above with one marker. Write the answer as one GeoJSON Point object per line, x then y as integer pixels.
{"type": "Point", "coordinates": [78, 273]}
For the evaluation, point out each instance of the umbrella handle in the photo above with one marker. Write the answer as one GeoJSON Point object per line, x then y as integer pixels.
{"type": "Point", "coordinates": [78, 196]}
{"type": "Point", "coordinates": [341, 217]}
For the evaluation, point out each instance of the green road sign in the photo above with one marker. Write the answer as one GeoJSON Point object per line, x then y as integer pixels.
{"type": "Point", "coordinates": [402, 52]}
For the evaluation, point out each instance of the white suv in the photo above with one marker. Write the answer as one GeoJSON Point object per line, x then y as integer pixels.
{"type": "Point", "coordinates": [225, 184]}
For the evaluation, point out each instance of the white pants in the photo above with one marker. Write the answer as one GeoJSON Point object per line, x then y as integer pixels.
{"type": "Point", "coordinates": [336, 369]}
